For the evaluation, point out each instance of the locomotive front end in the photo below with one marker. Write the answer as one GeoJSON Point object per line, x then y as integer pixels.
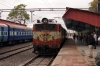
{"type": "Point", "coordinates": [46, 39]}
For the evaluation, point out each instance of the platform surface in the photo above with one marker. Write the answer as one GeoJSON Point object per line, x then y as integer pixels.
{"type": "Point", "coordinates": [72, 55]}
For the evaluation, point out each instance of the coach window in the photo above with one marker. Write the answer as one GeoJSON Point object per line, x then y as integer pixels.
{"type": "Point", "coordinates": [16, 33]}
{"type": "Point", "coordinates": [4, 33]}
{"type": "Point", "coordinates": [1, 33]}
{"type": "Point", "coordinates": [12, 33]}
{"type": "Point", "coordinates": [25, 33]}
{"type": "Point", "coordinates": [21, 33]}
{"type": "Point", "coordinates": [29, 33]}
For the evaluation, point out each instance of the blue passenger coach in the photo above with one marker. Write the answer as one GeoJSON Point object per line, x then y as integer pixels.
{"type": "Point", "coordinates": [10, 34]}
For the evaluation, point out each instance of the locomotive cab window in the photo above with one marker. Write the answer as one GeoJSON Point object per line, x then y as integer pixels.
{"type": "Point", "coordinates": [39, 27]}
{"type": "Point", "coordinates": [45, 27]}
{"type": "Point", "coordinates": [50, 27]}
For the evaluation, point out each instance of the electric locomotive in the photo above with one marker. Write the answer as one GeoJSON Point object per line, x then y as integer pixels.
{"type": "Point", "coordinates": [48, 37]}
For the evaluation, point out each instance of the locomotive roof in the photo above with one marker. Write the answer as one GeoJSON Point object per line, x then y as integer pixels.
{"type": "Point", "coordinates": [47, 23]}
{"type": "Point", "coordinates": [3, 25]}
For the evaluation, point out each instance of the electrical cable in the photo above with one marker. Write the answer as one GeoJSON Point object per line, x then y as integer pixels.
{"type": "Point", "coordinates": [50, 6]}
{"type": "Point", "coordinates": [8, 2]}
{"type": "Point", "coordinates": [5, 5]}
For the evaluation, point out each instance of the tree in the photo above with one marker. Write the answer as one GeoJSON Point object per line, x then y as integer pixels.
{"type": "Point", "coordinates": [18, 14]}
{"type": "Point", "coordinates": [93, 6]}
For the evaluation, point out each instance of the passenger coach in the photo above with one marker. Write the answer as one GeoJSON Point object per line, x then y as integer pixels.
{"type": "Point", "coordinates": [11, 34]}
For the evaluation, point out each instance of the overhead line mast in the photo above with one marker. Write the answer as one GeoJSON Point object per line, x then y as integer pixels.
{"type": "Point", "coordinates": [40, 9]}
{"type": "Point", "coordinates": [37, 9]}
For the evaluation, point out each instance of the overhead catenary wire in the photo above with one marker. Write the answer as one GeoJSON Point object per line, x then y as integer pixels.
{"type": "Point", "coordinates": [49, 6]}
{"type": "Point", "coordinates": [5, 5]}
{"type": "Point", "coordinates": [45, 3]}
{"type": "Point", "coordinates": [8, 2]}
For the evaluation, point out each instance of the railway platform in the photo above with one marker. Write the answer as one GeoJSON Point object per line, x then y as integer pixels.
{"type": "Point", "coordinates": [74, 53]}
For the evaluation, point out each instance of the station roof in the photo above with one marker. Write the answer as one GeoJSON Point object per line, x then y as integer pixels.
{"type": "Point", "coordinates": [79, 20]}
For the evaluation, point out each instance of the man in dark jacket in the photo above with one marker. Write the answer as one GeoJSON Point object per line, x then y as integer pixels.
{"type": "Point", "coordinates": [90, 42]}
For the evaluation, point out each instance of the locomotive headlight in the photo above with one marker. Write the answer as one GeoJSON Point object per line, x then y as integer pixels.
{"type": "Point", "coordinates": [45, 20]}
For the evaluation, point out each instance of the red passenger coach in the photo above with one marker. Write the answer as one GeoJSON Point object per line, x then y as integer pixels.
{"type": "Point", "coordinates": [48, 37]}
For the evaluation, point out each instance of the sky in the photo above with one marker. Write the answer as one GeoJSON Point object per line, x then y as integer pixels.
{"type": "Point", "coordinates": [9, 4]}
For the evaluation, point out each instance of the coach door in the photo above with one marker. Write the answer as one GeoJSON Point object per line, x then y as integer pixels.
{"type": "Point", "coordinates": [2, 33]}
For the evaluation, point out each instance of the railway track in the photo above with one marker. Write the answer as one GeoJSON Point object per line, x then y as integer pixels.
{"type": "Point", "coordinates": [11, 47]}
{"type": "Point", "coordinates": [13, 50]}
{"type": "Point", "coordinates": [39, 61]}
{"type": "Point", "coordinates": [10, 53]}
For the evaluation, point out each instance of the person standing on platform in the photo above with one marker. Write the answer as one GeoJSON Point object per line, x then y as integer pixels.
{"type": "Point", "coordinates": [95, 37]}
{"type": "Point", "coordinates": [74, 36]}
{"type": "Point", "coordinates": [99, 40]}
{"type": "Point", "coordinates": [90, 42]}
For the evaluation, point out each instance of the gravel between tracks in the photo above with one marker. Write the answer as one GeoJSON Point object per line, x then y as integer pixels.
{"type": "Point", "coordinates": [17, 59]}
{"type": "Point", "coordinates": [8, 48]}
